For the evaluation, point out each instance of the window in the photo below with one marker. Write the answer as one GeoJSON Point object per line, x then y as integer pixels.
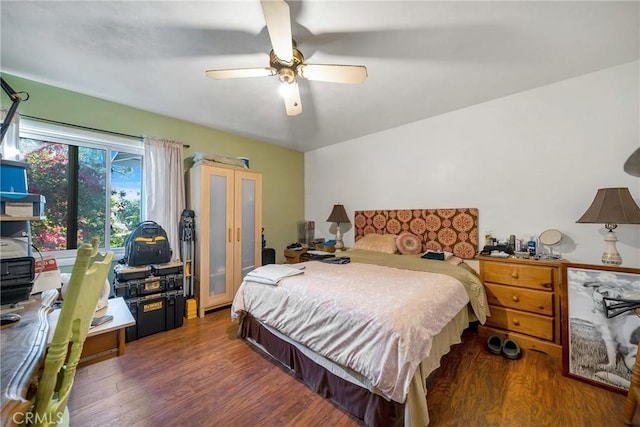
{"type": "Point", "coordinates": [92, 183]}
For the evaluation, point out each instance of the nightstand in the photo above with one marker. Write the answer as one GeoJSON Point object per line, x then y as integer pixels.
{"type": "Point", "coordinates": [293, 256]}
{"type": "Point", "coordinates": [524, 301]}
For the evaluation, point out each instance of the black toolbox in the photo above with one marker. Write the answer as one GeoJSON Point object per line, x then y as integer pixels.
{"type": "Point", "coordinates": [155, 313]}
{"type": "Point", "coordinates": [174, 267]}
{"type": "Point", "coordinates": [123, 272]}
{"type": "Point", "coordinates": [147, 286]}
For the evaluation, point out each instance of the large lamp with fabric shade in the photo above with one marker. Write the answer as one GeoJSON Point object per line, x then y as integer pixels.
{"type": "Point", "coordinates": [338, 215]}
{"type": "Point", "coordinates": [612, 206]}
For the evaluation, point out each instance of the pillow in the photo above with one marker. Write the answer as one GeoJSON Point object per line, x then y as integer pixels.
{"type": "Point", "coordinates": [385, 243]}
{"type": "Point", "coordinates": [409, 244]}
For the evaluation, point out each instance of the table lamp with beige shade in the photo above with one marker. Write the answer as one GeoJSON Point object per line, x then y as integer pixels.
{"type": "Point", "coordinates": [612, 206]}
{"type": "Point", "coordinates": [338, 215]}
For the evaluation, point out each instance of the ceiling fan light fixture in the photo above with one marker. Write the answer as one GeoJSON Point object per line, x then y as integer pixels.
{"type": "Point", "coordinates": [287, 75]}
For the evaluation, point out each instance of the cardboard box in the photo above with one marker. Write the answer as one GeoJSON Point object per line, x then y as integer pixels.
{"type": "Point", "coordinates": [21, 204]}
{"type": "Point", "coordinates": [48, 275]}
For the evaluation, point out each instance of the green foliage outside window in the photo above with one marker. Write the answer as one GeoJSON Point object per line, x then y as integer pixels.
{"type": "Point", "coordinates": [49, 176]}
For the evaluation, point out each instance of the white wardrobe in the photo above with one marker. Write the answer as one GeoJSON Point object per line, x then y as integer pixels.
{"type": "Point", "coordinates": [227, 202]}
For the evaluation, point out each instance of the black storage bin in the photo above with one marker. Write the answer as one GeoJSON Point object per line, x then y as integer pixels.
{"type": "Point", "coordinates": [155, 313]}
{"type": "Point", "coordinates": [174, 267]}
{"type": "Point", "coordinates": [173, 282]}
{"type": "Point", "coordinates": [175, 309]}
{"type": "Point", "coordinates": [15, 294]}
{"type": "Point", "coordinates": [139, 287]}
{"type": "Point", "coordinates": [17, 271]}
{"type": "Point", "coordinates": [123, 272]}
{"type": "Point", "coordinates": [268, 256]}
{"type": "Point", "coordinates": [148, 286]}
{"type": "Point", "coordinates": [16, 279]}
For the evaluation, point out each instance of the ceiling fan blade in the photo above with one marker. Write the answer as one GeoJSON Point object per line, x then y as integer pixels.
{"type": "Point", "coordinates": [278, 18]}
{"type": "Point", "coordinates": [333, 73]}
{"type": "Point", "coordinates": [234, 73]}
{"type": "Point", "coordinates": [291, 95]}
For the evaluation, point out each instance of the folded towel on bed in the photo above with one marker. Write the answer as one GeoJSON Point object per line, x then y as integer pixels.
{"type": "Point", "coordinates": [271, 274]}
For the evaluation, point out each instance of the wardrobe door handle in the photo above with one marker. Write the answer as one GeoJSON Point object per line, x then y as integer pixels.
{"type": "Point", "coordinates": [229, 235]}
{"type": "Point", "coordinates": [238, 235]}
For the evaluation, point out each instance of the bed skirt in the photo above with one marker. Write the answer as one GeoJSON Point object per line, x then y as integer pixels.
{"type": "Point", "coordinates": [373, 409]}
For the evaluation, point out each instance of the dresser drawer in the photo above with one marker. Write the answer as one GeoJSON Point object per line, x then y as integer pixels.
{"type": "Point", "coordinates": [527, 276]}
{"type": "Point", "coordinates": [519, 321]}
{"type": "Point", "coordinates": [520, 298]}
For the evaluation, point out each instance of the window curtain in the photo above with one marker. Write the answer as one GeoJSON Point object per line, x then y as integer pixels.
{"type": "Point", "coordinates": [164, 187]}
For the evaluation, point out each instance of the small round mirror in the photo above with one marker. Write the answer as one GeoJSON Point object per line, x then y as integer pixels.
{"type": "Point", "coordinates": [550, 237]}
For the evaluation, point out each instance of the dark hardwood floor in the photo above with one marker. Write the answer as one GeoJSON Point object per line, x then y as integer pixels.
{"type": "Point", "coordinates": [201, 374]}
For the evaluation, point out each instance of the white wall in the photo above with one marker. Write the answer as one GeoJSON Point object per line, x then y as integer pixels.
{"type": "Point", "coordinates": [529, 162]}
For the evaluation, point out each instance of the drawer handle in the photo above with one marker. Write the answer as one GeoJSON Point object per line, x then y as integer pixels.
{"type": "Point", "coordinates": [515, 298]}
{"type": "Point", "coordinates": [547, 285]}
{"type": "Point", "coordinates": [516, 322]}
{"type": "Point", "coordinates": [514, 274]}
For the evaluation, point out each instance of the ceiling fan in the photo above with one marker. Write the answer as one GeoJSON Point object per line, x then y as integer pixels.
{"type": "Point", "coordinates": [287, 62]}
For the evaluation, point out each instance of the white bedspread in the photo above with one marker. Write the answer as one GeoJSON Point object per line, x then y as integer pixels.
{"type": "Point", "coordinates": [376, 320]}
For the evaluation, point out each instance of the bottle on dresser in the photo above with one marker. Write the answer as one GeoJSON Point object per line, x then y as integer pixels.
{"type": "Point", "coordinates": [532, 246]}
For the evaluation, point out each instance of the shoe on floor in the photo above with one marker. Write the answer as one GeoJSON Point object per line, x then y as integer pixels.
{"type": "Point", "coordinates": [494, 344]}
{"type": "Point", "coordinates": [511, 349]}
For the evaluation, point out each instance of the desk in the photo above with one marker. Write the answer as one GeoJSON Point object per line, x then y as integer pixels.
{"type": "Point", "coordinates": [104, 341]}
{"type": "Point", "coordinates": [22, 348]}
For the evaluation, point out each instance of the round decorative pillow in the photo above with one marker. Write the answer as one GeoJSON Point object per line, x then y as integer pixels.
{"type": "Point", "coordinates": [409, 244]}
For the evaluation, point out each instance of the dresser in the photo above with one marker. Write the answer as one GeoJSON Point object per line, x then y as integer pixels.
{"type": "Point", "coordinates": [524, 297]}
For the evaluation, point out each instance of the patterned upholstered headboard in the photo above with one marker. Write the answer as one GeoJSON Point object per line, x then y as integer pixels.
{"type": "Point", "coordinates": [452, 230]}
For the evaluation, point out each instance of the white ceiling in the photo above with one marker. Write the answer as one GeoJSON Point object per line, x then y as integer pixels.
{"type": "Point", "coordinates": [424, 58]}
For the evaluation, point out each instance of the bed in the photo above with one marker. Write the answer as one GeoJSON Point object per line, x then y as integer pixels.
{"type": "Point", "coordinates": [368, 333]}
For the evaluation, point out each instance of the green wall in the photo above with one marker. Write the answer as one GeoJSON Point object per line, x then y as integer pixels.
{"type": "Point", "coordinates": [281, 168]}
